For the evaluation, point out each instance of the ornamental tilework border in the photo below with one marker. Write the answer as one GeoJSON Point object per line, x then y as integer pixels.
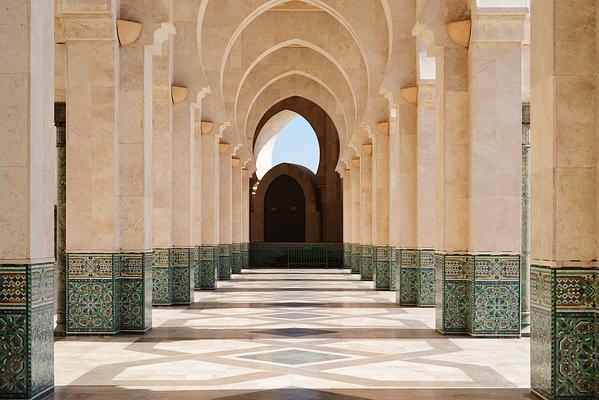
{"type": "Point", "coordinates": [162, 278]}
{"type": "Point", "coordinates": [245, 255]}
{"type": "Point", "coordinates": [109, 293]}
{"type": "Point", "coordinates": [407, 278]}
{"type": "Point", "coordinates": [26, 330]}
{"type": "Point", "coordinates": [366, 261]}
{"type": "Point", "coordinates": [224, 261]}
{"type": "Point", "coordinates": [382, 267]}
{"type": "Point", "coordinates": [393, 263]}
{"type": "Point", "coordinates": [426, 278]}
{"type": "Point", "coordinates": [236, 264]}
{"type": "Point", "coordinates": [183, 272]}
{"type": "Point", "coordinates": [356, 258]}
{"type": "Point", "coordinates": [565, 328]}
{"type": "Point", "coordinates": [208, 266]}
{"type": "Point", "coordinates": [347, 248]}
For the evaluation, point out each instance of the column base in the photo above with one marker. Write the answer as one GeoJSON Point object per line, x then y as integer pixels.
{"type": "Point", "coordinates": [564, 326]}
{"type": "Point", "coordinates": [236, 258]}
{"type": "Point", "coordinates": [366, 270]}
{"type": "Point", "coordinates": [135, 288]}
{"type": "Point", "coordinates": [162, 278]}
{"type": "Point", "coordinates": [478, 295]}
{"type": "Point", "coordinates": [382, 267]}
{"type": "Point", "coordinates": [393, 263]}
{"type": "Point", "coordinates": [347, 255]}
{"type": "Point", "coordinates": [224, 261]}
{"type": "Point", "coordinates": [245, 255]}
{"type": "Point", "coordinates": [183, 274]}
{"type": "Point", "coordinates": [26, 330]}
{"type": "Point", "coordinates": [207, 268]}
{"type": "Point", "coordinates": [356, 258]}
{"type": "Point", "coordinates": [407, 278]}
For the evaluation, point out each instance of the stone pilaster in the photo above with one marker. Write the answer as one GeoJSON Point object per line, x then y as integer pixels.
{"type": "Point", "coordinates": [61, 215]}
{"type": "Point", "coordinates": [366, 216]}
{"type": "Point", "coordinates": [355, 215]}
{"type": "Point", "coordinates": [564, 200]}
{"type": "Point", "coordinates": [27, 198]}
{"type": "Point", "coordinates": [225, 203]}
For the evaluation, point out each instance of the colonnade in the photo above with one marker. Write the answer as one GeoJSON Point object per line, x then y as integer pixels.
{"type": "Point", "coordinates": [155, 200]}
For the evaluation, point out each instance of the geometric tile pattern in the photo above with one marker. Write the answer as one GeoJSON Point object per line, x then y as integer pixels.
{"type": "Point", "coordinates": [366, 268]}
{"type": "Point", "coordinates": [356, 258]}
{"type": "Point", "coordinates": [26, 330]}
{"type": "Point", "coordinates": [426, 278]}
{"type": "Point", "coordinates": [162, 276]}
{"type": "Point", "coordinates": [245, 255]}
{"type": "Point", "coordinates": [183, 274]}
{"type": "Point", "coordinates": [224, 261]}
{"type": "Point", "coordinates": [208, 268]}
{"type": "Point", "coordinates": [393, 267]}
{"type": "Point", "coordinates": [382, 267]}
{"type": "Point", "coordinates": [407, 279]}
{"type": "Point", "coordinates": [108, 293]}
{"type": "Point", "coordinates": [347, 255]}
{"type": "Point", "coordinates": [236, 258]}
{"type": "Point", "coordinates": [478, 295]}
{"type": "Point", "coordinates": [564, 332]}
{"type": "Point", "coordinates": [331, 330]}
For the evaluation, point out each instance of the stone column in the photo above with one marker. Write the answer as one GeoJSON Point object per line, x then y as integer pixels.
{"type": "Point", "coordinates": [162, 272]}
{"type": "Point", "coordinates": [407, 276]}
{"type": "Point", "coordinates": [394, 220]}
{"type": "Point", "coordinates": [60, 115]}
{"type": "Point", "coordinates": [356, 260]}
{"type": "Point", "coordinates": [380, 205]}
{"type": "Point", "coordinates": [366, 221]}
{"type": "Point", "coordinates": [225, 211]}
{"type": "Point", "coordinates": [426, 193]}
{"type": "Point", "coordinates": [346, 182]}
{"type": "Point", "coordinates": [93, 226]}
{"type": "Point", "coordinates": [209, 255]}
{"type": "Point", "coordinates": [564, 201]}
{"type": "Point", "coordinates": [236, 225]}
{"type": "Point", "coordinates": [185, 248]}
{"type": "Point", "coordinates": [28, 181]}
{"type": "Point", "coordinates": [135, 181]}
{"type": "Point", "coordinates": [495, 183]}
{"type": "Point", "coordinates": [525, 258]}
{"type": "Point", "coordinates": [245, 218]}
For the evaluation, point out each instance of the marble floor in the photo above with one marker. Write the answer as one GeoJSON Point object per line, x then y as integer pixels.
{"type": "Point", "coordinates": [292, 334]}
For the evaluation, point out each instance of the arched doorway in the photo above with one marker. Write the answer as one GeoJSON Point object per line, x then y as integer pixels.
{"type": "Point", "coordinates": [285, 211]}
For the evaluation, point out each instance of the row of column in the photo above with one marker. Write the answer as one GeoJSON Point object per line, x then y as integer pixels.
{"type": "Point", "coordinates": [141, 197]}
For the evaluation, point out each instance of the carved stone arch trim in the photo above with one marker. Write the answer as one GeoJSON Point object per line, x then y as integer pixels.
{"type": "Point", "coordinates": [307, 181]}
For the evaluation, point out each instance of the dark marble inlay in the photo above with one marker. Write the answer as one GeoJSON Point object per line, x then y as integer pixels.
{"type": "Point", "coordinates": [296, 315]}
{"type": "Point", "coordinates": [293, 357]}
{"type": "Point", "coordinates": [295, 332]}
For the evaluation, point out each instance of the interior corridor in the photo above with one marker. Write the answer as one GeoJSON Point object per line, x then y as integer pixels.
{"type": "Point", "coordinates": [292, 334]}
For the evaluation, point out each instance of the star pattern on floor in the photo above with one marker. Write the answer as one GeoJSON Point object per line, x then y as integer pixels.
{"type": "Point", "coordinates": [253, 335]}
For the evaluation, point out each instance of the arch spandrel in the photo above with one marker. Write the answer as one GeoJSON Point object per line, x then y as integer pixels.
{"type": "Point", "coordinates": [301, 86]}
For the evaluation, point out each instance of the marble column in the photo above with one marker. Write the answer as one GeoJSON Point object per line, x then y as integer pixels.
{"type": "Point", "coordinates": [135, 182]}
{"type": "Point", "coordinates": [185, 247]}
{"type": "Point", "coordinates": [245, 218]}
{"type": "Point", "coordinates": [426, 193]}
{"type": "Point", "coordinates": [380, 211]}
{"type": "Point", "coordinates": [236, 225]}
{"type": "Point", "coordinates": [60, 220]}
{"type": "Point", "coordinates": [93, 216]}
{"type": "Point", "coordinates": [525, 259]}
{"type": "Point", "coordinates": [210, 211]}
{"type": "Point", "coordinates": [366, 235]}
{"type": "Point", "coordinates": [394, 194]}
{"type": "Point", "coordinates": [347, 242]}
{"type": "Point", "coordinates": [407, 274]}
{"type": "Point", "coordinates": [356, 259]}
{"type": "Point", "coordinates": [564, 200]}
{"type": "Point", "coordinates": [28, 181]}
{"type": "Point", "coordinates": [225, 211]}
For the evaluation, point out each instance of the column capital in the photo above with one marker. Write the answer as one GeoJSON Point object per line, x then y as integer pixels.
{"type": "Point", "coordinates": [498, 24]}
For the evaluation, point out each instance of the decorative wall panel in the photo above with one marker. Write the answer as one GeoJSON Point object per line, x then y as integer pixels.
{"type": "Point", "coordinates": [208, 267]}
{"type": "Point", "coordinates": [183, 274]}
{"type": "Point", "coordinates": [162, 277]}
{"type": "Point", "coordinates": [407, 284]}
{"type": "Point", "coordinates": [135, 292]}
{"type": "Point", "coordinates": [366, 268]}
{"type": "Point", "coordinates": [224, 261]}
{"type": "Point", "coordinates": [426, 278]}
{"type": "Point", "coordinates": [564, 332]}
{"type": "Point", "coordinates": [236, 258]}
{"type": "Point", "coordinates": [26, 330]}
{"type": "Point", "coordinates": [382, 267]}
